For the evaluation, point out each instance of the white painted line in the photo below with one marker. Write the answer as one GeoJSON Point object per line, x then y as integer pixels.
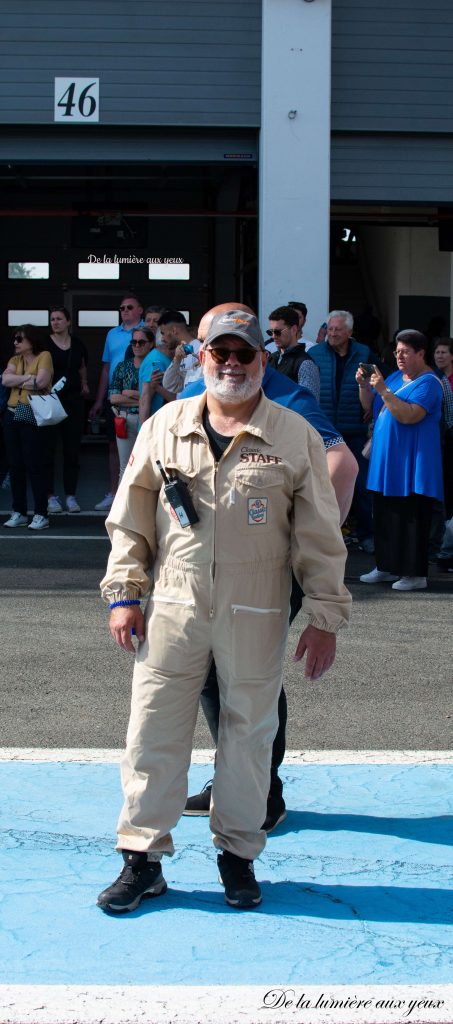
{"type": "Point", "coordinates": [369, 757]}
{"type": "Point", "coordinates": [221, 1004]}
{"type": "Point", "coordinates": [85, 755]}
{"type": "Point", "coordinates": [206, 756]}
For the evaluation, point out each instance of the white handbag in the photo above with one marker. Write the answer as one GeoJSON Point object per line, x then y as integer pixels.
{"type": "Point", "coordinates": [47, 409]}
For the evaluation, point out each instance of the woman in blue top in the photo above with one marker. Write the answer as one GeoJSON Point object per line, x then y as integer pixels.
{"type": "Point", "coordinates": [405, 473]}
{"type": "Point", "coordinates": [124, 392]}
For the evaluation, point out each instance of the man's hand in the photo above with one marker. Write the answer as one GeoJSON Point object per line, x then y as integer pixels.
{"type": "Point", "coordinates": [320, 648]}
{"type": "Point", "coordinates": [122, 622]}
{"type": "Point", "coordinates": [179, 354]}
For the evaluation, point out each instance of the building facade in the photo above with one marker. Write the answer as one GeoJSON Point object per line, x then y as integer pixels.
{"type": "Point", "coordinates": [264, 151]}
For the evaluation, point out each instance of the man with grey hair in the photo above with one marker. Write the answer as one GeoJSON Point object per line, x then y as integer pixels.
{"type": "Point", "coordinates": [223, 493]}
{"type": "Point", "coordinates": [338, 360]}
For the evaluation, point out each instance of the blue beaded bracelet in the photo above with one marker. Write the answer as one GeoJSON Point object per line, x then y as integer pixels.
{"type": "Point", "coordinates": [122, 604]}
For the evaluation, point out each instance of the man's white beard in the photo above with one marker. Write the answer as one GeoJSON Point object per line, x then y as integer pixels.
{"type": "Point", "coordinates": [228, 388]}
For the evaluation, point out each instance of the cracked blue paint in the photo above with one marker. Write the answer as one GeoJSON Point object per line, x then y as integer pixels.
{"type": "Point", "coordinates": [357, 884]}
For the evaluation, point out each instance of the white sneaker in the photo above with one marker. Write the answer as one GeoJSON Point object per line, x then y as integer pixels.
{"type": "Point", "coordinates": [376, 576]}
{"type": "Point", "coordinates": [54, 505]}
{"type": "Point", "coordinates": [39, 523]}
{"type": "Point", "coordinates": [106, 503]}
{"type": "Point", "coordinates": [71, 504]}
{"type": "Point", "coordinates": [16, 520]}
{"type": "Point", "coordinates": [411, 583]}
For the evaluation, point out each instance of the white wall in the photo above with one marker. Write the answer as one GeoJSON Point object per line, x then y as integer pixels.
{"type": "Point", "coordinates": [294, 201]}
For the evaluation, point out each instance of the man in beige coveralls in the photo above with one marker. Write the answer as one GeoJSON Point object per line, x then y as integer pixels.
{"type": "Point", "coordinates": [257, 479]}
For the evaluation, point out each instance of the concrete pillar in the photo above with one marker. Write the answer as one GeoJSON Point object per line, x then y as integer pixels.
{"type": "Point", "coordinates": [294, 197]}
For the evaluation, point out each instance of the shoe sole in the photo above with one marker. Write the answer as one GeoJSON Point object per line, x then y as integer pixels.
{"type": "Point", "coordinates": [155, 890]}
{"type": "Point", "coordinates": [195, 814]}
{"type": "Point", "coordinates": [14, 526]}
{"type": "Point", "coordinates": [282, 817]}
{"type": "Point", "coordinates": [38, 528]}
{"type": "Point", "coordinates": [390, 579]}
{"type": "Point", "coordinates": [244, 904]}
{"type": "Point", "coordinates": [407, 590]}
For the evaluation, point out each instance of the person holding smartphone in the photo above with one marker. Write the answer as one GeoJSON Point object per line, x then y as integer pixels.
{"type": "Point", "coordinates": [405, 472]}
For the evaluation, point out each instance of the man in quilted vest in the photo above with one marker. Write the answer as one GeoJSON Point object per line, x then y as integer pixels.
{"type": "Point", "coordinates": [338, 359]}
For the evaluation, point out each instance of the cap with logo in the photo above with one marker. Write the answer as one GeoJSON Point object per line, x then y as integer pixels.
{"type": "Point", "coordinates": [238, 325]}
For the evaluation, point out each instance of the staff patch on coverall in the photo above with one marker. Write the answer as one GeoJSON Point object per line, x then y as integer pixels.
{"type": "Point", "coordinates": [257, 511]}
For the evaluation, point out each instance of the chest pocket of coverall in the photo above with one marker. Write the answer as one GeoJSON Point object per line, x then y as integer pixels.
{"type": "Point", "coordinates": [184, 469]}
{"type": "Point", "coordinates": [257, 491]}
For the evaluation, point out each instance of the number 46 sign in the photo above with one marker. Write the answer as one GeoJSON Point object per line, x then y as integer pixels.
{"type": "Point", "coordinates": [76, 99]}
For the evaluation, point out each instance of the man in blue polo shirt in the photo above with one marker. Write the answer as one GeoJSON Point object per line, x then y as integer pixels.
{"type": "Point", "coordinates": [116, 343]}
{"type": "Point", "coordinates": [343, 470]}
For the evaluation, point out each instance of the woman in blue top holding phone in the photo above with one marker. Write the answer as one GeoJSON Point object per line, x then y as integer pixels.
{"type": "Point", "coordinates": [405, 473]}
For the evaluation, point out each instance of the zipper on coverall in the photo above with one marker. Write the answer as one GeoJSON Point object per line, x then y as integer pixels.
{"type": "Point", "coordinates": [231, 502]}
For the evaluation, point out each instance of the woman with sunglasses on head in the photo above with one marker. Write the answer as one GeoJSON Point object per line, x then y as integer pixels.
{"type": "Point", "coordinates": [69, 357]}
{"type": "Point", "coordinates": [116, 344]}
{"type": "Point", "coordinates": [124, 393]}
{"type": "Point", "coordinates": [29, 371]}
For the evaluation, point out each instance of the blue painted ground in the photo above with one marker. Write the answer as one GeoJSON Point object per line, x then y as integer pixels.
{"type": "Point", "coordinates": [357, 884]}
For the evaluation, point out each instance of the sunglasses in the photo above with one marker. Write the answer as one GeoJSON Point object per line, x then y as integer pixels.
{"type": "Point", "coordinates": [136, 341]}
{"type": "Point", "coordinates": [243, 355]}
{"type": "Point", "coordinates": [276, 332]}
{"type": "Point", "coordinates": [18, 337]}
{"type": "Point", "coordinates": [122, 308]}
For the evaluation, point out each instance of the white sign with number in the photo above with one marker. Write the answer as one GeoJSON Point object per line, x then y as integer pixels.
{"type": "Point", "coordinates": [76, 99]}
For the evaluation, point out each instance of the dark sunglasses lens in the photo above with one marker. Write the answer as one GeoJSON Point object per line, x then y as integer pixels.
{"type": "Point", "coordinates": [140, 343]}
{"type": "Point", "coordinates": [243, 355]}
{"type": "Point", "coordinates": [122, 308]}
{"type": "Point", "coordinates": [275, 334]}
{"type": "Point", "coordinates": [18, 337]}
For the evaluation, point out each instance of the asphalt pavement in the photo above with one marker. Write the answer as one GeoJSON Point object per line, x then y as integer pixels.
{"type": "Point", "coordinates": [65, 684]}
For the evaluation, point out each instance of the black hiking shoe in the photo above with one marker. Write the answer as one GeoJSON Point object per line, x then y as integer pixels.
{"type": "Point", "coordinates": [276, 808]}
{"type": "Point", "coordinates": [237, 875]}
{"type": "Point", "coordinates": [139, 878]}
{"type": "Point", "coordinates": [276, 812]}
{"type": "Point", "coordinates": [198, 805]}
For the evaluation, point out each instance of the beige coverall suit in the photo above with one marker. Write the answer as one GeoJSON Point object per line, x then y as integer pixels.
{"type": "Point", "coordinates": [220, 588]}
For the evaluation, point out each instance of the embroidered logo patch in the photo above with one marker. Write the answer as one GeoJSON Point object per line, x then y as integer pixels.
{"type": "Point", "coordinates": [257, 511]}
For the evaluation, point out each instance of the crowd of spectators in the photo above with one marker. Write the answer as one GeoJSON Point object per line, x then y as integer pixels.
{"type": "Point", "coordinates": [152, 356]}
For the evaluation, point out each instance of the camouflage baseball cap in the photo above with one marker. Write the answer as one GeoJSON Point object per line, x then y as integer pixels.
{"type": "Point", "coordinates": [236, 324]}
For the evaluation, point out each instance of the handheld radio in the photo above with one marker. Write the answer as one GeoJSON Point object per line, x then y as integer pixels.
{"type": "Point", "coordinates": [178, 495]}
